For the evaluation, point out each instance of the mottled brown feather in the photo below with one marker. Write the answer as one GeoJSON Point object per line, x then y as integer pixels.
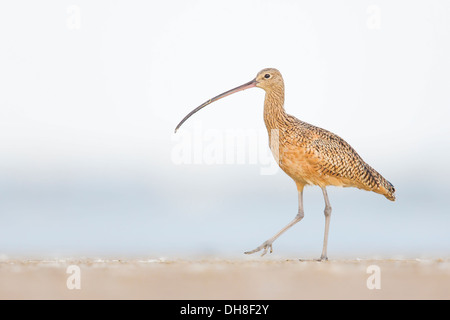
{"type": "Point", "coordinates": [312, 155]}
{"type": "Point", "coordinates": [332, 160]}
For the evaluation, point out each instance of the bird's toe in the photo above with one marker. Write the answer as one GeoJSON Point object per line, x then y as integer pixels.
{"type": "Point", "coordinates": [322, 258]}
{"type": "Point", "coordinates": [265, 247]}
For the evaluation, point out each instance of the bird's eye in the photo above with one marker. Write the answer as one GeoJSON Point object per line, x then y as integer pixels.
{"type": "Point", "coordinates": [267, 76]}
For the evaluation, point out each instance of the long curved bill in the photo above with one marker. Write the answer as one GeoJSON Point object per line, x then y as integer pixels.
{"type": "Point", "coordinates": [247, 85]}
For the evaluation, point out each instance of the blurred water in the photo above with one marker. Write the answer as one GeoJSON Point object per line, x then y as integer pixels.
{"type": "Point", "coordinates": [223, 211]}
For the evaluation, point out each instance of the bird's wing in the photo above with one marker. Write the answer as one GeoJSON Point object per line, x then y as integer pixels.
{"type": "Point", "coordinates": [333, 156]}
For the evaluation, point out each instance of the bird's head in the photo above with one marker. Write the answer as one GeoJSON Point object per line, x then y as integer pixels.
{"type": "Point", "coordinates": [268, 79]}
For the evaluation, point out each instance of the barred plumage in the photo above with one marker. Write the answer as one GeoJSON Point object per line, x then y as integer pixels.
{"type": "Point", "coordinates": [332, 160]}
{"type": "Point", "coordinates": [314, 156]}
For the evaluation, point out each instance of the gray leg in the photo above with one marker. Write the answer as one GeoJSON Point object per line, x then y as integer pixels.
{"type": "Point", "coordinates": [327, 212]}
{"type": "Point", "coordinates": [268, 244]}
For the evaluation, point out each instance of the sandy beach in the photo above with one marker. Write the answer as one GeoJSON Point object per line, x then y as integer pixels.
{"type": "Point", "coordinates": [213, 278]}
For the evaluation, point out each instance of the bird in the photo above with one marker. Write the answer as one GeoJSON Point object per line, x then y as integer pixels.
{"type": "Point", "coordinates": [308, 154]}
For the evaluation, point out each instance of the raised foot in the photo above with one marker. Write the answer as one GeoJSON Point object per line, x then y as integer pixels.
{"type": "Point", "coordinates": [265, 246]}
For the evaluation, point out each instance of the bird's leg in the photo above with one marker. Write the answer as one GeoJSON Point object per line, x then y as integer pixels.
{"type": "Point", "coordinates": [268, 244]}
{"type": "Point", "coordinates": [327, 212]}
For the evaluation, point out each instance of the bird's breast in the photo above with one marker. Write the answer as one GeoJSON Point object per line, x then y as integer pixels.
{"type": "Point", "coordinates": [292, 159]}
{"type": "Point", "coordinates": [299, 162]}
{"type": "Point", "coordinates": [296, 163]}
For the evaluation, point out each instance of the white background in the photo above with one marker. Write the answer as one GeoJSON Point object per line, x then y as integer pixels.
{"type": "Point", "coordinates": [91, 92]}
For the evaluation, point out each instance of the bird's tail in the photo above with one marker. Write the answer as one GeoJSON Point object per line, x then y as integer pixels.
{"type": "Point", "coordinates": [389, 190]}
{"type": "Point", "coordinates": [380, 184]}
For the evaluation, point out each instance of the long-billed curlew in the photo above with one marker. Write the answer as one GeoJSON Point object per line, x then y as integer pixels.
{"type": "Point", "coordinates": [308, 154]}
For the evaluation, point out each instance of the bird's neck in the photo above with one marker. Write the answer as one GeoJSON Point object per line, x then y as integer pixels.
{"type": "Point", "coordinates": [274, 114]}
